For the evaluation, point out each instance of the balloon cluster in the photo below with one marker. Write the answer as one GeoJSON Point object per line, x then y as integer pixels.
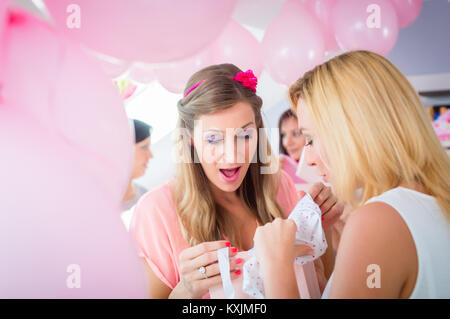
{"type": "Point", "coordinates": [302, 33]}
{"type": "Point", "coordinates": [66, 160]}
{"type": "Point", "coordinates": [298, 38]}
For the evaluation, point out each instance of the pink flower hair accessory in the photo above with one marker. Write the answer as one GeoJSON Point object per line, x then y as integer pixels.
{"type": "Point", "coordinates": [247, 79]}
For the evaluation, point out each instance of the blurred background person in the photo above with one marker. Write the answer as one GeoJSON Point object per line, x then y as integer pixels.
{"type": "Point", "coordinates": [291, 144]}
{"type": "Point", "coordinates": [142, 154]}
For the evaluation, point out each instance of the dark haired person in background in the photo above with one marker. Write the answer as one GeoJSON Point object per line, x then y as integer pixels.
{"type": "Point", "coordinates": [142, 154]}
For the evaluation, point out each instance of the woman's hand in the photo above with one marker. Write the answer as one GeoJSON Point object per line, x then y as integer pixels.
{"type": "Point", "coordinates": [193, 283]}
{"type": "Point", "coordinates": [274, 243]}
{"type": "Point", "coordinates": [275, 251]}
{"type": "Point", "coordinates": [329, 206]}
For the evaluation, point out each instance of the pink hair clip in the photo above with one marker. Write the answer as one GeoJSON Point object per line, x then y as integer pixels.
{"type": "Point", "coordinates": [193, 88]}
{"type": "Point", "coordinates": [247, 79]}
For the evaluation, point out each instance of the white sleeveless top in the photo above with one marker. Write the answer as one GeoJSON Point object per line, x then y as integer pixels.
{"type": "Point", "coordinates": [431, 233]}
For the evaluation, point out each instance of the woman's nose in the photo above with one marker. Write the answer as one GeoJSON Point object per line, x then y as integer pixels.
{"type": "Point", "coordinates": [309, 156]}
{"type": "Point", "coordinates": [288, 139]}
{"type": "Point", "coordinates": [230, 151]}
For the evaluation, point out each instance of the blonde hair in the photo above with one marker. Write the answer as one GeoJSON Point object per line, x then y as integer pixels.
{"type": "Point", "coordinates": [373, 128]}
{"type": "Point", "coordinates": [201, 218]}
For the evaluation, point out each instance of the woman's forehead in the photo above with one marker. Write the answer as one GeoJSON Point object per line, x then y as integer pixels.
{"type": "Point", "coordinates": [237, 116]}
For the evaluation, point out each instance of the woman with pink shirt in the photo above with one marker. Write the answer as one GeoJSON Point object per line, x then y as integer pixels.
{"type": "Point", "coordinates": [226, 185]}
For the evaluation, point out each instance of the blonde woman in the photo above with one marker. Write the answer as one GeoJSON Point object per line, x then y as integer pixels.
{"type": "Point", "coordinates": [222, 191]}
{"type": "Point", "coordinates": [368, 134]}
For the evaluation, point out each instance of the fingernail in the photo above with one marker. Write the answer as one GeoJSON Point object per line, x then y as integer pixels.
{"type": "Point", "coordinates": [234, 250]}
{"type": "Point", "coordinates": [238, 272]}
{"type": "Point", "coordinates": [322, 218]}
{"type": "Point", "coordinates": [238, 260]}
{"type": "Point", "coordinates": [228, 244]}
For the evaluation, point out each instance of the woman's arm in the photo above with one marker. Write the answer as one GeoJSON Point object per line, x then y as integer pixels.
{"type": "Point", "coordinates": [275, 251]}
{"type": "Point", "coordinates": [375, 238]}
{"type": "Point", "coordinates": [329, 257]}
{"type": "Point", "coordinates": [158, 289]}
{"type": "Point", "coordinates": [280, 281]}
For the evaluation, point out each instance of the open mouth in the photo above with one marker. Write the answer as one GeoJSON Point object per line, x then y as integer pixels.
{"type": "Point", "coordinates": [230, 174]}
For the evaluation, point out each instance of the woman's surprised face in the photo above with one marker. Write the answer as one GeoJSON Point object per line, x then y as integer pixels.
{"type": "Point", "coordinates": [226, 142]}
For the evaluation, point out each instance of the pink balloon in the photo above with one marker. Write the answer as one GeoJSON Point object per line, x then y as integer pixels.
{"type": "Point", "coordinates": [67, 159]}
{"type": "Point", "coordinates": [173, 77]}
{"type": "Point", "coordinates": [322, 10]}
{"type": "Point", "coordinates": [142, 73]}
{"type": "Point", "coordinates": [60, 95]}
{"type": "Point", "coordinates": [143, 30]}
{"type": "Point", "coordinates": [407, 11]}
{"type": "Point", "coordinates": [356, 25]}
{"type": "Point", "coordinates": [238, 46]}
{"type": "Point", "coordinates": [113, 69]}
{"type": "Point", "coordinates": [292, 44]}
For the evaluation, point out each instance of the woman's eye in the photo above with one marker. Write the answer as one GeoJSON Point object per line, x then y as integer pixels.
{"type": "Point", "coordinates": [213, 139]}
{"type": "Point", "coordinates": [297, 133]}
{"type": "Point", "coordinates": [245, 136]}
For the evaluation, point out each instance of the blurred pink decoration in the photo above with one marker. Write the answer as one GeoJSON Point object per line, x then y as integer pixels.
{"type": "Point", "coordinates": [407, 11]}
{"type": "Point", "coordinates": [66, 162]}
{"type": "Point", "coordinates": [129, 90]}
{"type": "Point", "coordinates": [173, 77]}
{"type": "Point", "coordinates": [292, 44]}
{"type": "Point", "coordinates": [142, 73]}
{"type": "Point", "coordinates": [126, 87]}
{"type": "Point", "coordinates": [238, 46]}
{"type": "Point", "coordinates": [442, 127]}
{"type": "Point", "coordinates": [354, 28]}
{"type": "Point", "coordinates": [143, 30]}
{"type": "Point", "coordinates": [322, 10]}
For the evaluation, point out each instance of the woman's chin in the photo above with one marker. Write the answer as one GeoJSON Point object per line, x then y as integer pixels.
{"type": "Point", "coordinates": [229, 187]}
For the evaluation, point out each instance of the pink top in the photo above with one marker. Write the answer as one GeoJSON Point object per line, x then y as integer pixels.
{"type": "Point", "coordinates": [158, 233]}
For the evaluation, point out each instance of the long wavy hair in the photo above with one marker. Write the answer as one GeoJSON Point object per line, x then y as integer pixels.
{"type": "Point", "coordinates": [373, 127]}
{"type": "Point", "coordinates": [201, 217]}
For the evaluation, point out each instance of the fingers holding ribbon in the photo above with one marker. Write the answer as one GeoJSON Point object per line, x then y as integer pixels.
{"type": "Point", "coordinates": [328, 203]}
{"type": "Point", "coordinates": [199, 267]}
